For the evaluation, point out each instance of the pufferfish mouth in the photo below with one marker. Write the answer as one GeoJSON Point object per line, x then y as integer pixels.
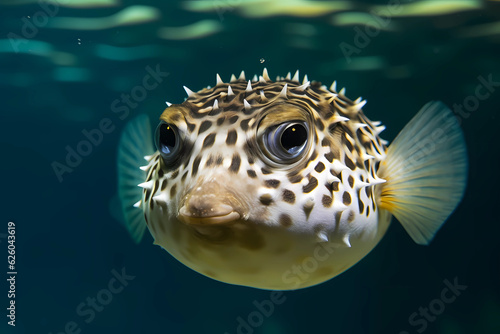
{"type": "Point", "coordinates": [222, 215]}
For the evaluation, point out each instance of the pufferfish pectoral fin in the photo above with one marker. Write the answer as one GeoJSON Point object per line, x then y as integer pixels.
{"type": "Point", "coordinates": [135, 143]}
{"type": "Point", "coordinates": [426, 172]}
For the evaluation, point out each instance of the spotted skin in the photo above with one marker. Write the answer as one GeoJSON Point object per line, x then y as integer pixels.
{"type": "Point", "coordinates": [321, 206]}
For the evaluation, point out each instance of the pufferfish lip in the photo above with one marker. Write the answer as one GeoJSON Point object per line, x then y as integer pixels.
{"type": "Point", "coordinates": [209, 218]}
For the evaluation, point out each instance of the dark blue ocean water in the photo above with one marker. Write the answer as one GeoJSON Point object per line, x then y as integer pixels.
{"type": "Point", "coordinates": [62, 76]}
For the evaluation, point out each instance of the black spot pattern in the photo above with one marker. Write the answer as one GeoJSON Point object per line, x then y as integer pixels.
{"type": "Point", "coordinates": [288, 196]}
{"type": "Point", "coordinates": [191, 126]}
{"type": "Point", "coordinates": [210, 161]}
{"type": "Point", "coordinates": [209, 140]}
{"type": "Point", "coordinates": [266, 199]}
{"type": "Point", "coordinates": [327, 201]}
{"type": "Point", "coordinates": [265, 171]}
{"type": "Point", "coordinates": [348, 162]}
{"type": "Point", "coordinates": [244, 124]}
{"type": "Point", "coordinates": [196, 165]}
{"type": "Point", "coordinates": [205, 125]}
{"type": "Point", "coordinates": [350, 179]}
{"type": "Point", "coordinates": [313, 183]}
{"type": "Point", "coordinates": [296, 178]}
{"type": "Point", "coordinates": [285, 220]}
{"type": "Point", "coordinates": [235, 163]}
{"type": "Point", "coordinates": [346, 198]}
{"type": "Point", "coordinates": [173, 191]}
{"type": "Point", "coordinates": [273, 183]}
{"type": "Point", "coordinates": [319, 124]}
{"type": "Point", "coordinates": [335, 186]}
{"type": "Point", "coordinates": [361, 205]}
{"type": "Point", "coordinates": [233, 119]}
{"type": "Point", "coordinates": [231, 138]}
{"type": "Point", "coordinates": [183, 178]}
{"type": "Point", "coordinates": [336, 138]}
{"type": "Point", "coordinates": [319, 167]}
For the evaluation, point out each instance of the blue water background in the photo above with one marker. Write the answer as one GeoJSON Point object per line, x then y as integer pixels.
{"type": "Point", "coordinates": [57, 82]}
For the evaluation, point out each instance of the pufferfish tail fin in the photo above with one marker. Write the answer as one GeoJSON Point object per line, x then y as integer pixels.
{"type": "Point", "coordinates": [135, 143]}
{"type": "Point", "coordinates": [426, 172]}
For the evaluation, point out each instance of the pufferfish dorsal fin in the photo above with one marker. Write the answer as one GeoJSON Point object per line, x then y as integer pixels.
{"type": "Point", "coordinates": [134, 144]}
{"type": "Point", "coordinates": [426, 172]}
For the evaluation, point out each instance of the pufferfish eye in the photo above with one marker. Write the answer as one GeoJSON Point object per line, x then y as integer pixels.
{"type": "Point", "coordinates": [167, 141]}
{"type": "Point", "coordinates": [286, 142]}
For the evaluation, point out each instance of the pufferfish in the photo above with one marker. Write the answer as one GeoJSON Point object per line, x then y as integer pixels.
{"type": "Point", "coordinates": [284, 184]}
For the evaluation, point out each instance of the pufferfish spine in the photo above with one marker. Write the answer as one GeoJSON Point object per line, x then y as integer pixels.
{"type": "Point", "coordinates": [250, 178]}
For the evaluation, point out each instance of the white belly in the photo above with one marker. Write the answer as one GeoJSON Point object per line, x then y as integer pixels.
{"type": "Point", "coordinates": [262, 256]}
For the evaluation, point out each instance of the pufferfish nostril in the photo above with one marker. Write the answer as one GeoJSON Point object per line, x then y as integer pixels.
{"type": "Point", "coordinates": [209, 204]}
{"type": "Point", "coordinates": [205, 206]}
